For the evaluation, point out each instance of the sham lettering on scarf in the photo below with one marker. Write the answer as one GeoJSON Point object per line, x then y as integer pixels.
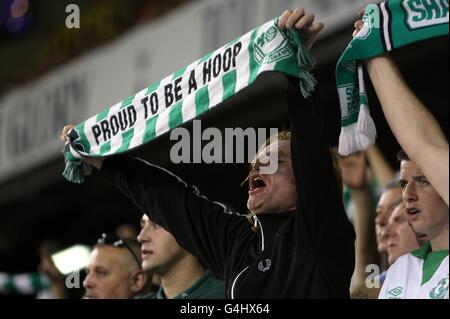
{"type": "Point", "coordinates": [425, 13]}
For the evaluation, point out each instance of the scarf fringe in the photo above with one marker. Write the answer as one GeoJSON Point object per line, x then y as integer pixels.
{"type": "Point", "coordinates": [366, 132]}
{"type": "Point", "coordinates": [358, 136]}
{"type": "Point", "coordinates": [306, 62]}
{"type": "Point", "coordinates": [347, 140]}
{"type": "Point", "coordinates": [75, 171]}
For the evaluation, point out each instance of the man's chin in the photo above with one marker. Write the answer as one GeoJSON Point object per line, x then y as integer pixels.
{"type": "Point", "coordinates": [255, 204]}
{"type": "Point", "coordinates": [254, 209]}
{"type": "Point", "coordinates": [418, 226]}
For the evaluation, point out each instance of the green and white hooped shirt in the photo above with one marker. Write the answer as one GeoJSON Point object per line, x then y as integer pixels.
{"type": "Point", "coordinates": [421, 274]}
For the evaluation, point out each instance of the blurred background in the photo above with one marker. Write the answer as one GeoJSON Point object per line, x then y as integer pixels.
{"type": "Point", "coordinates": [52, 75]}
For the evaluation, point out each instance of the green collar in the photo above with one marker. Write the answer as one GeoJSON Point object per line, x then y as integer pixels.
{"type": "Point", "coordinates": [423, 251]}
{"type": "Point", "coordinates": [185, 294]}
{"type": "Point", "coordinates": [426, 249]}
{"type": "Point", "coordinates": [431, 260]}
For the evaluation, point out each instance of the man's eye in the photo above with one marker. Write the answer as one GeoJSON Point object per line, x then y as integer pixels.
{"type": "Point", "coordinates": [424, 182]}
{"type": "Point", "coordinates": [403, 185]}
{"type": "Point", "coordinates": [101, 273]}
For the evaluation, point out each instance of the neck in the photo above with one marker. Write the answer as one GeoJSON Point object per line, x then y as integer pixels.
{"type": "Point", "coordinates": [440, 241]}
{"type": "Point", "coordinates": [181, 276]}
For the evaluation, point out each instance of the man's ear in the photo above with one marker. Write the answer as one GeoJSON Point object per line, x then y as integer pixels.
{"type": "Point", "coordinates": [138, 280]}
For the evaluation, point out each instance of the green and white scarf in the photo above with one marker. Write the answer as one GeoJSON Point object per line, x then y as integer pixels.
{"type": "Point", "coordinates": [187, 94]}
{"type": "Point", "coordinates": [23, 284]}
{"type": "Point", "coordinates": [387, 26]}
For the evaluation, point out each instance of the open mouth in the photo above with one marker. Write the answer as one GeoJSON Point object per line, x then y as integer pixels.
{"type": "Point", "coordinates": [256, 183]}
{"type": "Point", "coordinates": [412, 211]}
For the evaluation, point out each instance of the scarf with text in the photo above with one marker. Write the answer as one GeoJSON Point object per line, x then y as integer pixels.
{"type": "Point", "coordinates": [188, 93]}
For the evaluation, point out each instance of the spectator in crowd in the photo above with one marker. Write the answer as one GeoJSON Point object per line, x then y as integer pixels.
{"type": "Point", "coordinates": [401, 237]}
{"type": "Point", "coordinates": [389, 199]}
{"type": "Point", "coordinates": [182, 275]}
{"type": "Point", "coordinates": [114, 270]}
{"type": "Point", "coordinates": [57, 281]}
{"type": "Point", "coordinates": [422, 273]}
{"type": "Point", "coordinates": [298, 229]}
{"type": "Point", "coordinates": [129, 231]}
{"type": "Point", "coordinates": [370, 230]}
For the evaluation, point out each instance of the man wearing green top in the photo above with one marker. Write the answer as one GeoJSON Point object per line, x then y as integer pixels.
{"type": "Point", "coordinates": [182, 275]}
{"type": "Point", "coordinates": [423, 273]}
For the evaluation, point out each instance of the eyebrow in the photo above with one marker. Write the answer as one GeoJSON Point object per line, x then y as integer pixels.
{"type": "Point", "coordinates": [101, 268]}
{"type": "Point", "coordinates": [419, 177]}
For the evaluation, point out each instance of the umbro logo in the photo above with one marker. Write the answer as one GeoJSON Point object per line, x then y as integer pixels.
{"type": "Point", "coordinates": [395, 293]}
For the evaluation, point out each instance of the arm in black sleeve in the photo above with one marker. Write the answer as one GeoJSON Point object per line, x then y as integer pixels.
{"type": "Point", "coordinates": [206, 229]}
{"type": "Point", "coordinates": [322, 225]}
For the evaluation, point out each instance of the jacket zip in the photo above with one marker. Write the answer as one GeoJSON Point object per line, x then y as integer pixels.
{"type": "Point", "coordinates": [256, 220]}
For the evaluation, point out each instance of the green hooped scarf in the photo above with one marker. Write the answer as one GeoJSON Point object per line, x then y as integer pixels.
{"type": "Point", "coordinates": [387, 26]}
{"type": "Point", "coordinates": [187, 94]}
{"type": "Point", "coordinates": [207, 82]}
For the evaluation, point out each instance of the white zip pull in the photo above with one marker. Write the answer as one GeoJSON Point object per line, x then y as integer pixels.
{"type": "Point", "coordinates": [235, 280]}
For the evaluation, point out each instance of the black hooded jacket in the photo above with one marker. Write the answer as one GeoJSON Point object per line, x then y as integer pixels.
{"type": "Point", "coordinates": [308, 253]}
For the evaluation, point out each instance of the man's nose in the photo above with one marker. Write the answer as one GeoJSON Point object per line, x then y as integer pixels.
{"type": "Point", "coordinates": [144, 236]}
{"type": "Point", "coordinates": [140, 236]}
{"type": "Point", "coordinates": [88, 282]}
{"type": "Point", "coordinates": [388, 232]}
{"type": "Point", "coordinates": [410, 193]}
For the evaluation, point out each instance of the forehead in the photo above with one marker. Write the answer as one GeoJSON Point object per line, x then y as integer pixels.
{"type": "Point", "coordinates": [282, 147]}
{"type": "Point", "coordinates": [145, 221]}
{"type": "Point", "coordinates": [107, 256]}
{"type": "Point", "coordinates": [409, 168]}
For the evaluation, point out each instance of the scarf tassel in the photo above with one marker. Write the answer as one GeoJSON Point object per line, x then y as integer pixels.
{"type": "Point", "coordinates": [306, 63]}
{"type": "Point", "coordinates": [76, 170]}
